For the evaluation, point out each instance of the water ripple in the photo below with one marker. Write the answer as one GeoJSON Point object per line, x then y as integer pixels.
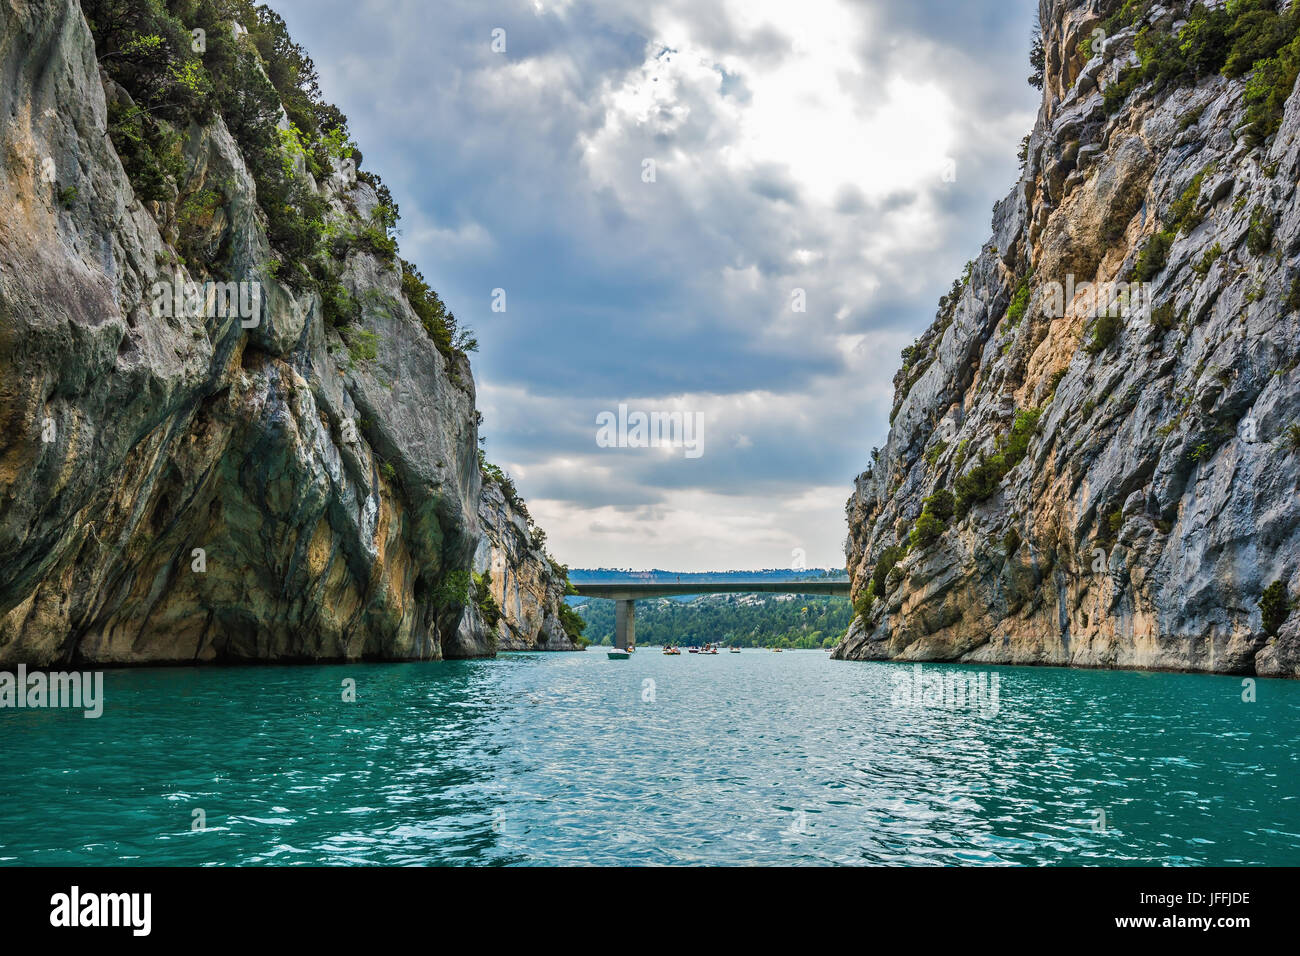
{"type": "Point", "coordinates": [575, 759]}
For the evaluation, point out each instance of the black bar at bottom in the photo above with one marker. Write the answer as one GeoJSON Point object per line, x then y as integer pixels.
{"type": "Point", "coordinates": [327, 905]}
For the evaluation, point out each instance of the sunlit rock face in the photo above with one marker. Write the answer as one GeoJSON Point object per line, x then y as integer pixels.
{"type": "Point", "coordinates": [1156, 496]}
{"type": "Point", "coordinates": [526, 587]}
{"type": "Point", "coordinates": [179, 485]}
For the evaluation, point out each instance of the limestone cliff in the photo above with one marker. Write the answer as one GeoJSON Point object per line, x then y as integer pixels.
{"type": "Point", "coordinates": [1107, 475]}
{"type": "Point", "coordinates": [526, 587]}
{"type": "Point", "coordinates": [288, 472]}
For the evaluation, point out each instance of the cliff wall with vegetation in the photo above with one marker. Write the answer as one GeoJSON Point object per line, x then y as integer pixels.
{"type": "Point", "coordinates": [1094, 453]}
{"type": "Point", "coordinates": [236, 424]}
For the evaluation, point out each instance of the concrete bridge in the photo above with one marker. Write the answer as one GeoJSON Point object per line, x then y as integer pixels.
{"type": "Point", "coordinates": [625, 594]}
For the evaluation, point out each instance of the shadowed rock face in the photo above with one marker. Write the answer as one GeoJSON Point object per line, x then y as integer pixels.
{"type": "Point", "coordinates": [1157, 497]}
{"type": "Point", "coordinates": [330, 495]}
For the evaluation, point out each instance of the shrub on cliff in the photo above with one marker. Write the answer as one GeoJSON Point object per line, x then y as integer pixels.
{"type": "Point", "coordinates": [1022, 430]}
{"type": "Point", "coordinates": [927, 530]}
{"type": "Point", "coordinates": [493, 475]}
{"type": "Point", "coordinates": [933, 520]}
{"type": "Point", "coordinates": [1292, 301]}
{"type": "Point", "coordinates": [1203, 265]}
{"type": "Point", "coordinates": [1163, 318]}
{"type": "Point", "coordinates": [865, 601]}
{"type": "Point", "coordinates": [488, 608]}
{"type": "Point", "coordinates": [979, 483]}
{"type": "Point", "coordinates": [1268, 90]}
{"type": "Point", "coordinates": [1259, 237]}
{"type": "Point", "coordinates": [441, 324]}
{"type": "Point", "coordinates": [338, 305]}
{"type": "Point", "coordinates": [1151, 260]}
{"type": "Point", "coordinates": [1037, 56]}
{"type": "Point", "coordinates": [880, 576]}
{"type": "Point", "coordinates": [363, 345]}
{"type": "Point", "coordinates": [1104, 332]}
{"type": "Point", "coordinates": [1019, 303]}
{"type": "Point", "coordinates": [1240, 38]}
{"type": "Point", "coordinates": [453, 591]}
{"type": "Point", "coordinates": [1114, 95]}
{"type": "Point", "coordinates": [147, 50]}
{"type": "Point", "coordinates": [982, 481]}
{"type": "Point", "coordinates": [1184, 212]}
{"type": "Point", "coordinates": [145, 47]}
{"type": "Point", "coordinates": [374, 239]}
{"type": "Point", "coordinates": [1274, 607]}
{"type": "Point", "coordinates": [150, 151]}
{"type": "Point", "coordinates": [940, 504]}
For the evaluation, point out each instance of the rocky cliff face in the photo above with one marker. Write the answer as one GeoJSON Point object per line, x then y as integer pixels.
{"type": "Point", "coordinates": [1107, 476]}
{"type": "Point", "coordinates": [524, 584]}
{"type": "Point", "coordinates": [230, 482]}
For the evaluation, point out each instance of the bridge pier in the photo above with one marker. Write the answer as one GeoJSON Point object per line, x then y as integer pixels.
{"type": "Point", "coordinates": [624, 624]}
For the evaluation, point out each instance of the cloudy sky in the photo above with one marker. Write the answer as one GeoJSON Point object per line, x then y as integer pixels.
{"type": "Point", "coordinates": [651, 183]}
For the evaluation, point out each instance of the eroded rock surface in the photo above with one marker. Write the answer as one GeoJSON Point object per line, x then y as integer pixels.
{"type": "Point", "coordinates": [1157, 496]}
{"type": "Point", "coordinates": [527, 588]}
{"type": "Point", "coordinates": [186, 488]}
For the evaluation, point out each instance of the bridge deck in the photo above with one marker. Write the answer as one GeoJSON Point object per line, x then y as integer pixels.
{"type": "Point", "coordinates": [632, 591]}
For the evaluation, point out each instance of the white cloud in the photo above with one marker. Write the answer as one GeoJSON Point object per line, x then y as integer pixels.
{"type": "Point", "coordinates": [797, 145]}
{"type": "Point", "coordinates": [700, 529]}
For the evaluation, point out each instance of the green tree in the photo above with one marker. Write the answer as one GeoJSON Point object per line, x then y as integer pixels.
{"type": "Point", "coordinates": [1274, 607]}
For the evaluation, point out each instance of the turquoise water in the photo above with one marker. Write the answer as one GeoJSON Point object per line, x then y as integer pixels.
{"type": "Point", "coordinates": [572, 758]}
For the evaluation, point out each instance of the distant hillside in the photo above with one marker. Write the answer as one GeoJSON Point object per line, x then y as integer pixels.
{"type": "Point", "coordinates": [742, 620]}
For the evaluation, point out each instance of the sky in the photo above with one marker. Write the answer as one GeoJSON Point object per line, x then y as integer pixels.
{"type": "Point", "coordinates": [737, 210]}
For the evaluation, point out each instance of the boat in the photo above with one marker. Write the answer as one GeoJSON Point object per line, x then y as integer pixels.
{"type": "Point", "coordinates": [734, 650]}
{"type": "Point", "coordinates": [672, 651]}
{"type": "Point", "coordinates": [618, 655]}
{"type": "Point", "coordinates": [692, 650]}
{"type": "Point", "coordinates": [777, 650]}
